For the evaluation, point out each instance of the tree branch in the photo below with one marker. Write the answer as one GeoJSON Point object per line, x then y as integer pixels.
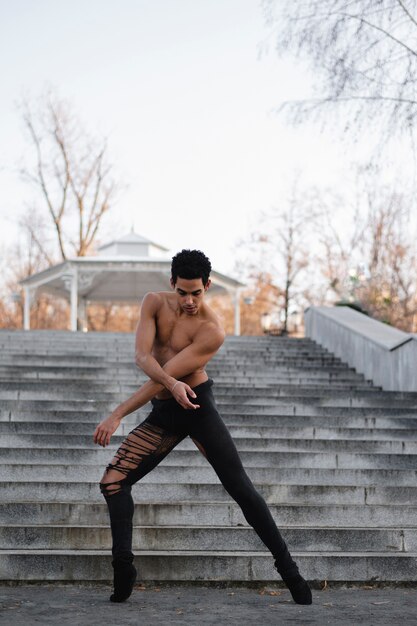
{"type": "Point", "coordinates": [42, 182]}
{"type": "Point", "coordinates": [381, 30]}
{"type": "Point", "coordinates": [406, 11]}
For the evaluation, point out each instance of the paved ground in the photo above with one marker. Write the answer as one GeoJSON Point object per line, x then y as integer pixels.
{"type": "Point", "coordinates": [79, 605]}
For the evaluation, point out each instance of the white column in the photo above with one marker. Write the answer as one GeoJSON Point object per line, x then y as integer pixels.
{"type": "Point", "coordinates": [74, 300]}
{"type": "Point", "coordinates": [26, 308]}
{"type": "Point", "coordinates": [82, 317]}
{"type": "Point", "coordinates": [237, 311]}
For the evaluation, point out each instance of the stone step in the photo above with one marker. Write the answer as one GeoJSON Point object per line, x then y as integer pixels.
{"type": "Point", "coordinates": [85, 359]}
{"type": "Point", "coordinates": [310, 415]}
{"type": "Point", "coordinates": [46, 433]}
{"type": "Point", "coordinates": [232, 342]}
{"type": "Point", "coordinates": [224, 513]}
{"type": "Point", "coordinates": [40, 461]}
{"type": "Point", "coordinates": [298, 346]}
{"type": "Point", "coordinates": [364, 398]}
{"type": "Point", "coordinates": [44, 389]}
{"type": "Point", "coordinates": [37, 501]}
{"type": "Point", "coordinates": [106, 374]}
{"type": "Point", "coordinates": [311, 351]}
{"type": "Point", "coordinates": [276, 388]}
{"type": "Point", "coordinates": [114, 353]}
{"type": "Point", "coordinates": [221, 538]}
{"type": "Point", "coordinates": [358, 419]}
{"type": "Point", "coordinates": [321, 415]}
{"type": "Point", "coordinates": [232, 367]}
{"type": "Point", "coordinates": [242, 385]}
{"type": "Point", "coordinates": [229, 347]}
{"type": "Point", "coordinates": [170, 473]}
{"type": "Point", "coordinates": [263, 406]}
{"type": "Point", "coordinates": [119, 335]}
{"type": "Point", "coordinates": [23, 447]}
{"type": "Point", "coordinates": [203, 565]}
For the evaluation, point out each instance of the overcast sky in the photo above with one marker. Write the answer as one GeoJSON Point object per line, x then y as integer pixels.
{"type": "Point", "coordinates": [187, 102]}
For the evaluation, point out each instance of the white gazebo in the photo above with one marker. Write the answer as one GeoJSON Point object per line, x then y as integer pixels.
{"type": "Point", "coordinates": [123, 271]}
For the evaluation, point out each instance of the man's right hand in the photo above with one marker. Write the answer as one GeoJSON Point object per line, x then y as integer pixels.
{"type": "Point", "coordinates": [105, 429]}
{"type": "Point", "coordinates": [181, 391]}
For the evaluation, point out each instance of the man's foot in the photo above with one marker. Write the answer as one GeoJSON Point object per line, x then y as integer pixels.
{"type": "Point", "coordinates": [299, 589]}
{"type": "Point", "coordinates": [124, 579]}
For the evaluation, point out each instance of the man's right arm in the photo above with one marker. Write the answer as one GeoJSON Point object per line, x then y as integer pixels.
{"type": "Point", "coordinates": [206, 345]}
{"type": "Point", "coordinates": [207, 342]}
{"type": "Point", "coordinates": [145, 337]}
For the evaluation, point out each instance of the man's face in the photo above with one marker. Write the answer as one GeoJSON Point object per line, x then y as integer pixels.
{"type": "Point", "coordinates": [190, 293]}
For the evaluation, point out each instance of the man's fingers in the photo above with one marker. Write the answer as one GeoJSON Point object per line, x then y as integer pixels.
{"type": "Point", "coordinates": [190, 405]}
{"type": "Point", "coordinates": [191, 392]}
{"type": "Point", "coordinates": [103, 432]}
{"type": "Point", "coordinates": [101, 437]}
{"type": "Point", "coordinates": [182, 397]}
{"type": "Point", "coordinates": [187, 403]}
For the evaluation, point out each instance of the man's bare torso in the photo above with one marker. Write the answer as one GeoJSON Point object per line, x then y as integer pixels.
{"type": "Point", "coordinates": [175, 331]}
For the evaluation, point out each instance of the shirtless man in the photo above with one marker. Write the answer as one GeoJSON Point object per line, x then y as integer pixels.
{"type": "Point", "coordinates": [177, 335]}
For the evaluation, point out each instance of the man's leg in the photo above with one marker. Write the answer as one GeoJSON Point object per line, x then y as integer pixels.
{"type": "Point", "coordinates": [214, 440]}
{"type": "Point", "coordinates": [144, 447]}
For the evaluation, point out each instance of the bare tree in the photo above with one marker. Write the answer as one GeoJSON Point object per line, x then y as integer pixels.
{"type": "Point", "coordinates": [292, 231]}
{"type": "Point", "coordinates": [390, 290]}
{"type": "Point", "coordinates": [24, 258]}
{"type": "Point", "coordinates": [278, 254]}
{"type": "Point", "coordinates": [338, 243]}
{"type": "Point", "coordinates": [113, 317]}
{"type": "Point", "coordinates": [71, 174]}
{"type": "Point", "coordinates": [260, 297]}
{"type": "Point", "coordinates": [373, 262]}
{"type": "Point", "coordinates": [364, 54]}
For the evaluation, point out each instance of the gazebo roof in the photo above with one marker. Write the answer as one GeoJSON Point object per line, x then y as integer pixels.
{"type": "Point", "coordinates": [124, 271]}
{"type": "Point", "coordinates": [131, 238]}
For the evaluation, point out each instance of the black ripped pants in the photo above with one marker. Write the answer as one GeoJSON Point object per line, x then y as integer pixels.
{"type": "Point", "coordinates": [151, 441]}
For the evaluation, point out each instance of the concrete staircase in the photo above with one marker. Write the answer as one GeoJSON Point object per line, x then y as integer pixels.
{"type": "Point", "coordinates": [334, 457]}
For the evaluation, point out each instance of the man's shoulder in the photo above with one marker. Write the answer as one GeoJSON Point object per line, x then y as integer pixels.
{"type": "Point", "coordinates": [213, 320]}
{"type": "Point", "coordinates": [211, 331]}
{"type": "Point", "coordinates": [155, 298]}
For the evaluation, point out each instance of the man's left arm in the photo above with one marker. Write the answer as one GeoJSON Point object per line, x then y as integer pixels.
{"type": "Point", "coordinates": [194, 357]}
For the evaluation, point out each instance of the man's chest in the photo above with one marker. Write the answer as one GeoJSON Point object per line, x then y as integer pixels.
{"type": "Point", "coordinates": [175, 333]}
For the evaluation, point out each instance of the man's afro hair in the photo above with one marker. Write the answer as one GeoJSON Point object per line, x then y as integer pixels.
{"type": "Point", "coordinates": [190, 264]}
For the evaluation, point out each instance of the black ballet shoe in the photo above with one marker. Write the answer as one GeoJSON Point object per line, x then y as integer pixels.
{"type": "Point", "coordinates": [299, 589]}
{"type": "Point", "coordinates": [124, 579]}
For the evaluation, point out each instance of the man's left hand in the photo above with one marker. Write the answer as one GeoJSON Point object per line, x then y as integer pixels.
{"type": "Point", "coordinates": [181, 391]}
